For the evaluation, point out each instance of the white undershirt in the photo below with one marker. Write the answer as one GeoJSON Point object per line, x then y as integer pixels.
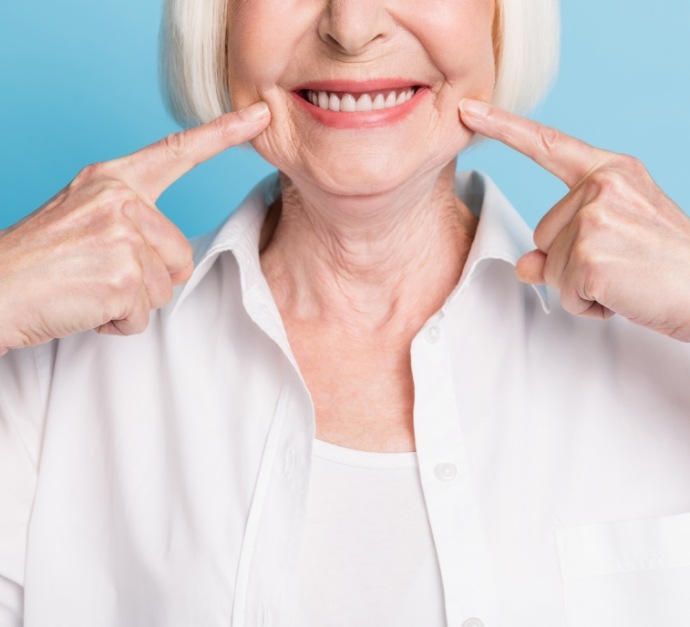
{"type": "Point", "coordinates": [368, 556]}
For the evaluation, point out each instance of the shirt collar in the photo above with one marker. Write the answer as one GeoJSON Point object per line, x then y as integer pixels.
{"type": "Point", "coordinates": [501, 234]}
{"type": "Point", "coordinates": [240, 233]}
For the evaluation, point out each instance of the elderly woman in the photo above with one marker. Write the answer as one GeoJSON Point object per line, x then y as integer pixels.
{"type": "Point", "coordinates": [353, 412]}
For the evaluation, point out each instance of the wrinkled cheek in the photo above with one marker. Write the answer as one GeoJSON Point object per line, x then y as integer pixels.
{"type": "Point", "coordinates": [279, 144]}
{"type": "Point", "coordinates": [266, 146]}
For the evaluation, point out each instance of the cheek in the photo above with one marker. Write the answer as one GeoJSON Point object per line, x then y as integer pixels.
{"type": "Point", "coordinates": [459, 41]}
{"type": "Point", "coordinates": [262, 38]}
{"type": "Point", "coordinates": [248, 66]}
{"type": "Point", "coordinates": [458, 37]}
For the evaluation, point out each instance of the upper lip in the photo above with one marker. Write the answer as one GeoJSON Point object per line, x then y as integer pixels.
{"type": "Point", "coordinates": [360, 87]}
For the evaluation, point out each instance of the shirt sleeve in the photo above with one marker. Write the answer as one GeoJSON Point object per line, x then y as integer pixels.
{"type": "Point", "coordinates": [22, 411]}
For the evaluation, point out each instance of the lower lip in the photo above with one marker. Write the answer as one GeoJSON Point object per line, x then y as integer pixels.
{"type": "Point", "coordinates": [362, 119]}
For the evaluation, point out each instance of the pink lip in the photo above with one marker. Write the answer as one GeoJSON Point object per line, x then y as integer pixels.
{"type": "Point", "coordinates": [359, 87]}
{"type": "Point", "coordinates": [360, 119]}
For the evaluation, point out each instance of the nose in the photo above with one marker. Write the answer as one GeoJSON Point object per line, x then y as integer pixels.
{"type": "Point", "coordinates": [352, 26]}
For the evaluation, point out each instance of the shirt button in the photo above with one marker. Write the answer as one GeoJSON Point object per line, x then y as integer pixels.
{"type": "Point", "coordinates": [432, 334]}
{"type": "Point", "coordinates": [473, 622]}
{"type": "Point", "coordinates": [446, 472]}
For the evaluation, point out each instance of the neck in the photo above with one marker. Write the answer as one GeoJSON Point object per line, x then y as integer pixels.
{"type": "Point", "coordinates": [367, 262]}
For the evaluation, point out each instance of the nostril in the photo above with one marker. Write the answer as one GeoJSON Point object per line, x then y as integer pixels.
{"type": "Point", "coordinates": [350, 28]}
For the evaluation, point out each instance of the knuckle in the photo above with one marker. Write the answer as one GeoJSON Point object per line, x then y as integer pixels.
{"type": "Point", "coordinates": [608, 183]}
{"type": "Point", "coordinates": [126, 280]}
{"type": "Point", "coordinates": [226, 127]}
{"type": "Point", "coordinates": [122, 238]}
{"type": "Point", "coordinates": [586, 284]}
{"type": "Point", "coordinates": [547, 138]}
{"type": "Point", "coordinates": [595, 285]}
{"type": "Point", "coordinates": [221, 125]}
{"type": "Point", "coordinates": [102, 171]}
{"type": "Point", "coordinates": [633, 165]}
{"type": "Point", "coordinates": [591, 218]}
{"type": "Point", "coordinates": [114, 194]}
{"type": "Point", "coordinates": [102, 198]}
{"type": "Point", "coordinates": [587, 261]}
{"type": "Point", "coordinates": [175, 145]}
{"type": "Point", "coordinates": [89, 173]}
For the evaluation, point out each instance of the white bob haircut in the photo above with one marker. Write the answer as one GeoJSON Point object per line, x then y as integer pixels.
{"type": "Point", "coordinates": [193, 60]}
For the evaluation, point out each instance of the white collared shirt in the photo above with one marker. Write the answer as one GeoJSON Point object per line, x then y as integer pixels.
{"type": "Point", "coordinates": [161, 480]}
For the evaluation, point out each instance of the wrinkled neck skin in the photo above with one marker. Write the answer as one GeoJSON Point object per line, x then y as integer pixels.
{"type": "Point", "coordinates": [372, 263]}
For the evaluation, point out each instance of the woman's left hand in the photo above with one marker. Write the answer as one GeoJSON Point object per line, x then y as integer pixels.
{"type": "Point", "coordinates": [615, 243]}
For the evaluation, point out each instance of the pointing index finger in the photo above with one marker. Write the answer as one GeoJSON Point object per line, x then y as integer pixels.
{"type": "Point", "coordinates": [151, 170]}
{"type": "Point", "coordinates": [564, 156]}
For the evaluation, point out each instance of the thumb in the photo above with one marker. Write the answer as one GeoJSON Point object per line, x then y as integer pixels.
{"type": "Point", "coordinates": [530, 268]}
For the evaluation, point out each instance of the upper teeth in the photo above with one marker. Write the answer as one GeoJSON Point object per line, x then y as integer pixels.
{"type": "Point", "coordinates": [358, 102]}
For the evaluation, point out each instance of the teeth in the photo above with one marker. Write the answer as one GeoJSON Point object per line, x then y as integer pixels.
{"type": "Point", "coordinates": [364, 103]}
{"type": "Point", "coordinates": [350, 103]}
{"type": "Point", "coordinates": [404, 96]}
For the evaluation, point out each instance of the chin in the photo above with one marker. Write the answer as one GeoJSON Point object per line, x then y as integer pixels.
{"type": "Point", "coordinates": [364, 173]}
{"type": "Point", "coordinates": [364, 178]}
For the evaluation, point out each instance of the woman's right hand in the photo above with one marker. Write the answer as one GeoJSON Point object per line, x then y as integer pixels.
{"type": "Point", "coordinates": [99, 255]}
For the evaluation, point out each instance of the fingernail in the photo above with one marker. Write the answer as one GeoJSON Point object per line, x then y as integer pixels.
{"type": "Point", "coordinates": [475, 108]}
{"type": "Point", "coordinates": [254, 112]}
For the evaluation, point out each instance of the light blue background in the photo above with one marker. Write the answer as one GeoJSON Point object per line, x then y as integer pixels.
{"type": "Point", "coordinates": [79, 84]}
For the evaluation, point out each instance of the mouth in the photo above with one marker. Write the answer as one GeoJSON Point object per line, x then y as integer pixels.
{"type": "Point", "coordinates": [353, 102]}
{"type": "Point", "coordinates": [358, 104]}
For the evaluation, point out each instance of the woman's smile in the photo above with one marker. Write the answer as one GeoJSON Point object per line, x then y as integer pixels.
{"type": "Point", "coordinates": [393, 69]}
{"type": "Point", "coordinates": [352, 104]}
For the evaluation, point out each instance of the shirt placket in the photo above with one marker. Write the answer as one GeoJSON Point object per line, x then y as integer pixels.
{"type": "Point", "coordinates": [459, 537]}
{"type": "Point", "coordinates": [276, 517]}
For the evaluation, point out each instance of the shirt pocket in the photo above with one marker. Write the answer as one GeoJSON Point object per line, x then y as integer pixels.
{"type": "Point", "coordinates": [627, 574]}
